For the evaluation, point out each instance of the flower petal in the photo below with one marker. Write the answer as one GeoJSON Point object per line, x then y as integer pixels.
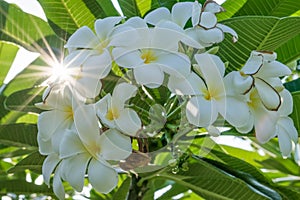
{"type": "Point", "coordinates": [71, 145]}
{"type": "Point", "coordinates": [104, 27]}
{"type": "Point", "coordinates": [102, 107]}
{"type": "Point", "coordinates": [114, 145]}
{"type": "Point", "coordinates": [127, 58]}
{"type": "Point", "coordinates": [102, 178]}
{"type": "Point", "coordinates": [208, 20]}
{"type": "Point", "coordinates": [175, 64]}
{"type": "Point", "coordinates": [181, 12]}
{"type": "Point", "coordinates": [285, 143]}
{"type": "Point", "coordinates": [196, 11]}
{"type": "Point", "coordinates": [286, 107]}
{"type": "Point", "coordinates": [45, 147]}
{"type": "Point", "coordinates": [201, 112]}
{"type": "Point", "coordinates": [205, 38]}
{"type": "Point", "coordinates": [287, 125]}
{"type": "Point", "coordinates": [73, 170]}
{"type": "Point", "coordinates": [253, 64]}
{"type": "Point", "coordinates": [82, 38]}
{"type": "Point", "coordinates": [123, 91]}
{"type": "Point", "coordinates": [128, 122]}
{"type": "Point", "coordinates": [157, 15]}
{"type": "Point", "coordinates": [273, 69]}
{"type": "Point", "coordinates": [227, 29]}
{"type": "Point", "coordinates": [246, 128]}
{"type": "Point", "coordinates": [213, 7]}
{"type": "Point", "coordinates": [149, 75]}
{"type": "Point", "coordinates": [191, 85]}
{"type": "Point", "coordinates": [48, 166]}
{"type": "Point", "coordinates": [268, 95]}
{"type": "Point", "coordinates": [235, 83]}
{"type": "Point", "coordinates": [58, 187]}
{"type": "Point", "coordinates": [86, 123]}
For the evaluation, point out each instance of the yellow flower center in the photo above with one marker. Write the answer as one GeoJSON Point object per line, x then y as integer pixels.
{"type": "Point", "coordinates": [148, 56]}
{"type": "Point", "coordinates": [70, 113]}
{"type": "Point", "coordinates": [207, 95]}
{"type": "Point", "coordinates": [112, 113]}
{"type": "Point", "coordinates": [102, 45]}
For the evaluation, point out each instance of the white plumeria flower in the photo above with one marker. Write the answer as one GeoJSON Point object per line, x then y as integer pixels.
{"type": "Point", "coordinates": [89, 59]}
{"type": "Point", "coordinates": [57, 119]}
{"type": "Point", "coordinates": [154, 53]}
{"type": "Point", "coordinates": [263, 120]}
{"type": "Point", "coordinates": [209, 98]}
{"type": "Point", "coordinates": [112, 112]}
{"type": "Point", "coordinates": [180, 14]}
{"type": "Point", "coordinates": [262, 71]}
{"type": "Point", "coordinates": [285, 129]}
{"type": "Point", "coordinates": [88, 150]}
{"type": "Point", "coordinates": [206, 31]}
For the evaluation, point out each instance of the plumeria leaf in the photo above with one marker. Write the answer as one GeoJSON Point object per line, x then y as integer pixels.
{"type": "Point", "coordinates": [24, 100]}
{"type": "Point", "coordinates": [24, 29]}
{"type": "Point", "coordinates": [33, 162]}
{"type": "Point", "coordinates": [123, 190]}
{"type": "Point", "coordinates": [65, 17]}
{"type": "Point", "coordinates": [258, 33]}
{"type": "Point", "coordinates": [19, 135]}
{"type": "Point", "coordinates": [277, 8]}
{"type": "Point", "coordinates": [296, 110]}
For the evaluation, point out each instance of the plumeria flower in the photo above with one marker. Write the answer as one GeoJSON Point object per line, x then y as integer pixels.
{"type": "Point", "coordinates": [285, 129]}
{"type": "Point", "coordinates": [206, 31]}
{"type": "Point", "coordinates": [57, 119]}
{"type": "Point", "coordinates": [209, 98]}
{"type": "Point", "coordinates": [89, 150]}
{"type": "Point", "coordinates": [154, 53]}
{"type": "Point", "coordinates": [89, 59]}
{"type": "Point", "coordinates": [262, 71]}
{"type": "Point", "coordinates": [113, 113]}
{"type": "Point", "coordinates": [263, 120]}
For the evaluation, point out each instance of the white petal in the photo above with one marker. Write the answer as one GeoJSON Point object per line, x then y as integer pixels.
{"type": "Point", "coordinates": [213, 131]}
{"type": "Point", "coordinates": [104, 27]}
{"type": "Point", "coordinates": [208, 20]}
{"type": "Point", "coordinates": [114, 145]}
{"type": "Point", "coordinates": [82, 38]}
{"type": "Point", "coordinates": [285, 143]}
{"type": "Point", "coordinates": [86, 123]}
{"type": "Point", "coordinates": [268, 95]}
{"type": "Point", "coordinates": [273, 69]}
{"type": "Point", "coordinates": [253, 64]}
{"type": "Point", "coordinates": [246, 128]}
{"type": "Point", "coordinates": [164, 37]}
{"type": "Point", "coordinates": [175, 64]}
{"type": "Point", "coordinates": [213, 7]}
{"type": "Point", "coordinates": [237, 84]}
{"type": "Point", "coordinates": [102, 178]}
{"type": "Point", "coordinates": [127, 58]}
{"type": "Point", "coordinates": [181, 12]}
{"type": "Point", "coordinates": [206, 37]}
{"type": "Point", "coordinates": [136, 22]}
{"type": "Point", "coordinates": [58, 187]}
{"type": "Point", "coordinates": [192, 85]}
{"type": "Point", "coordinates": [287, 125]}
{"type": "Point", "coordinates": [269, 56]}
{"type": "Point", "coordinates": [45, 147]}
{"type": "Point", "coordinates": [73, 170]}
{"type": "Point", "coordinates": [212, 69]}
{"type": "Point", "coordinates": [286, 107]}
{"type": "Point", "coordinates": [265, 124]}
{"type": "Point", "coordinates": [196, 11]}
{"type": "Point", "coordinates": [157, 15]}
{"type": "Point", "coordinates": [71, 145]}
{"type": "Point", "coordinates": [227, 29]}
{"type": "Point", "coordinates": [75, 60]}
{"type": "Point", "coordinates": [102, 107]}
{"type": "Point", "coordinates": [48, 166]}
{"type": "Point", "coordinates": [49, 122]}
{"type": "Point", "coordinates": [124, 91]}
{"type": "Point", "coordinates": [149, 75]}
{"type": "Point", "coordinates": [235, 110]}
{"type": "Point", "coordinates": [128, 122]}
{"type": "Point", "coordinates": [201, 112]}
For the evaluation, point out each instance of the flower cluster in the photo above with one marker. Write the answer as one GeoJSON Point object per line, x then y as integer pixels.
{"type": "Point", "coordinates": [85, 131]}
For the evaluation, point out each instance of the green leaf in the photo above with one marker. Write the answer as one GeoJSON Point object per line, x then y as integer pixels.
{"type": "Point", "coordinates": [289, 51]}
{"type": "Point", "coordinates": [24, 29]}
{"type": "Point", "coordinates": [8, 52]}
{"type": "Point", "coordinates": [257, 33]}
{"type": "Point", "coordinates": [22, 187]}
{"type": "Point", "coordinates": [211, 183]}
{"type": "Point", "coordinates": [296, 110]}
{"type": "Point", "coordinates": [11, 152]}
{"type": "Point", "coordinates": [175, 190]}
{"type": "Point", "coordinates": [65, 17]}
{"type": "Point", "coordinates": [24, 100]}
{"type": "Point", "coordinates": [293, 86]}
{"type": "Point", "coordinates": [277, 8]}
{"type": "Point", "coordinates": [19, 135]}
{"type": "Point", "coordinates": [33, 162]}
{"type": "Point", "coordinates": [123, 190]}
